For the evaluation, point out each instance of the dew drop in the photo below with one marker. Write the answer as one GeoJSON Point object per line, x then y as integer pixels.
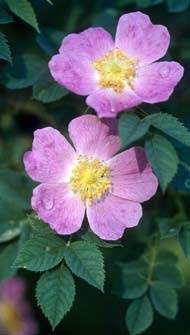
{"type": "Point", "coordinates": [47, 249]}
{"type": "Point", "coordinates": [48, 202]}
{"type": "Point", "coordinates": [187, 183]}
{"type": "Point", "coordinates": [164, 71]}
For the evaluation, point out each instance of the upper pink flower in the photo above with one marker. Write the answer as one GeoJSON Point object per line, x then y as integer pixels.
{"type": "Point", "coordinates": [109, 188]}
{"type": "Point", "coordinates": [120, 75]}
{"type": "Point", "coordinates": [15, 313]}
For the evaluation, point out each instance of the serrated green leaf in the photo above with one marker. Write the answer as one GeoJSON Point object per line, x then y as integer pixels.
{"type": "Point", "coordinates": [164, 299]}
{"type": "Point", "coordinates": [139, 315]}
{"type": "Point", "coordinates": [7, 257]}
{"type": "Point", "coordinates": [92, 238]}
{"type": "Point", "coordinates": [169, 274]}
{"type": "Point", "coordinates": [48, 91]}
{"type": "Point", "coordinates": [184, 240]}
{"type": "Point", "coordinates": [41, 253]}
{"type": "Point", "coordinates": [129, 286]}
{"type": "Point", "coordinates": [131, 128]}
{"type": "Point", "coordinates": [170, 125]}
{"type": "Point", "coordinates": [55, 294]}
{"type": "Point", "coordinates": [5, 52]}
{"type": "Point", "coordinates": [177, 6]}
{"type": "Point", "coordinates": [24, 10]}
{"type": "Point", "coordinates": [86, 262]}
{"type": "Point", "coordinates": [163, 158]}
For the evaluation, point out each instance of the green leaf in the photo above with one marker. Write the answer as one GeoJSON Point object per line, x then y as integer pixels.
{"type": "Point", "coordinates": [7, 257]}
{"type": "Point", "coordinates": [5, 17]}
{"type": "Point", "coordinates": [26, 70]}
{"type": "Point", "coordinates": [163, 158]}
{"type": "Point", "coordinates": [184, 240]}
{"type": "Point", "coordinates": [177, 6]}
{"type": "Point", "coordinates": [166, 256]}
{"type": "Point", "coordinates": [5, 52]}
{"type": "Point", "coordinates": [164, 299]}
{"type": "Point", "coordinates": [55, 294]}
{"type": "Point", "coordinates": [24, 10]}
{"type": "Point", "coordinates": [41, 253]}
{"type": "Point", "coordinates": [9, 231]}
{"type": "Point", "coordinates": [169, 274]}
{"type": "Point", "coordinates": [139, 315]}
{"type": "Point", "coordinates": [131, 128]}
{"type": "Point", "coordinates": [169, 226]}
{"type": "Point", "coordinates": [130, 286]}
{"type": "Point", "coordinates": [170, 125]}
{"type": "Point", "coordinates": [86, 261]}
{"type": "Point", "coordinates": [92, 238]}
{"type": "Point", "coordinates": [48, 91]}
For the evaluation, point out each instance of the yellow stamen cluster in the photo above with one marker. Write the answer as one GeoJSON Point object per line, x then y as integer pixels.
{"type": "Point", "coordinates": [9, 318]}
{"type": "Point", "coordinates": [90, 179]}
{"type": "Point", "coordinates": [116, 70]}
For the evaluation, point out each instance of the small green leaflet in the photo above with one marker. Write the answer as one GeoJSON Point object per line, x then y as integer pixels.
{"type": "Point", "coordinates": [164, 299]}
{"type": "Point", "coordinates": [55, 294]}
{"type": "Point", "coordinates": [86, 261]}
{"type": "Point", "coordinates": [5, 52]}
{"type": "Point", "coordinates": [163, 158]}
{"type": "Point", "coordinates": [41, 253]}
{"type": "Point", "coordinates": [48, 91]}
{"type": "Point", "coordinates": [7, 257]}
{"type": "Point", "coordinates": [139, 315]}
{"type": "Point", "coordinates": [25, 11]}
{"type": "Point", "coordinates": [131, 128]}
{"type": "Point", "coordinates": [170, 125]}
{"type": "Point", "coordinates": [177, 6]}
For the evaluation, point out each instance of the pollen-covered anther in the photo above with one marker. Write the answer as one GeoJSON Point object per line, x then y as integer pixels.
{"type": "Point", "coordinates": [116, 70]}
{"type": "Point", "coordinates": [90, 178]}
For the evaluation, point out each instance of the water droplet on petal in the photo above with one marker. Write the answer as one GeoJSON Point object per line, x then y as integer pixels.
{"type": "Point", "coordinates": [48, 202]}
{"type": "Point", "coordinates": [164, 71]}
{"type": "Point", "coordinates": [187, 183]}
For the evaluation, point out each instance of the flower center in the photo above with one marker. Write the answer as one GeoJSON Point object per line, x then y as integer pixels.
{"type": "Point", "coordinates": [116, 70]}
{"type": "Point", "coordinates": [9, 318]}
{"type": "Point", "coordinates": [90, 178]}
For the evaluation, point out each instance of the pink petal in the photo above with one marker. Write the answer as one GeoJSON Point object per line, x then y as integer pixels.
{"type": "Point", "coordinates": [73, 67]}
{"type": "Point", "coordinates": [76, 74]}
{"type": "Point", "coordinates": [139, 38]}
{"type": "Point", "coordinates": [109, 217]}
{"type": "Point", "coordinates": [92, 136]}
{"type": "Point", "coordinates": [59, 207]}
{"type": "Point", "coordinates": [50, 158]}
{"type": "Point", "coordinates": [132, 177]}
{"type": "Point", "coordinates": [108, 103]}
{"type": "Point", "coordinates": [156, 82]}
{"type": "Point", "coordinates": [88, 45]}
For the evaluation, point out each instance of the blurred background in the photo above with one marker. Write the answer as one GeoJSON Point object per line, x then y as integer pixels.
{"type": "Point", "coordinates": [30, 99]}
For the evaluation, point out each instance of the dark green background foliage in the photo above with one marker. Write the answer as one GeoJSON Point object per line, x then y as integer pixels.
{"type": "Point", "coordinates": [145, 276]}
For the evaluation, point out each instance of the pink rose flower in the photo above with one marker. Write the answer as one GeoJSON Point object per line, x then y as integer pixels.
{"type": "Point", "coordinates": [15, 313]}
{"type": "Point", "coordinates": [89, 178]}
{"type": "Point", "coordinates": [120, 75]}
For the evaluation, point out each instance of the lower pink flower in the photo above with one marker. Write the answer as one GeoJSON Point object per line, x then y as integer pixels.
{"type": "Point", "coordinates": [15, 313]}
{"type": "Point", "coordinates": [110, 188]}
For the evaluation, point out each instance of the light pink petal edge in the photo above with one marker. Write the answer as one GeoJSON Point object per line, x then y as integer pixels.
{"type": "Point", "coordinates": [50, 158]}
{"type": "Point", "coordinates": [139, 38]}
{"type": "Point", "coordinates": [156, 82]}
{"type": "Point", "coordinates": [93, 136]}
{"type": "Point", "coordinates": [132, 176]}
{"type": "Point", "coordinates": [57, 206]}
{"type": "Point", "coordinates": [112, 215]}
